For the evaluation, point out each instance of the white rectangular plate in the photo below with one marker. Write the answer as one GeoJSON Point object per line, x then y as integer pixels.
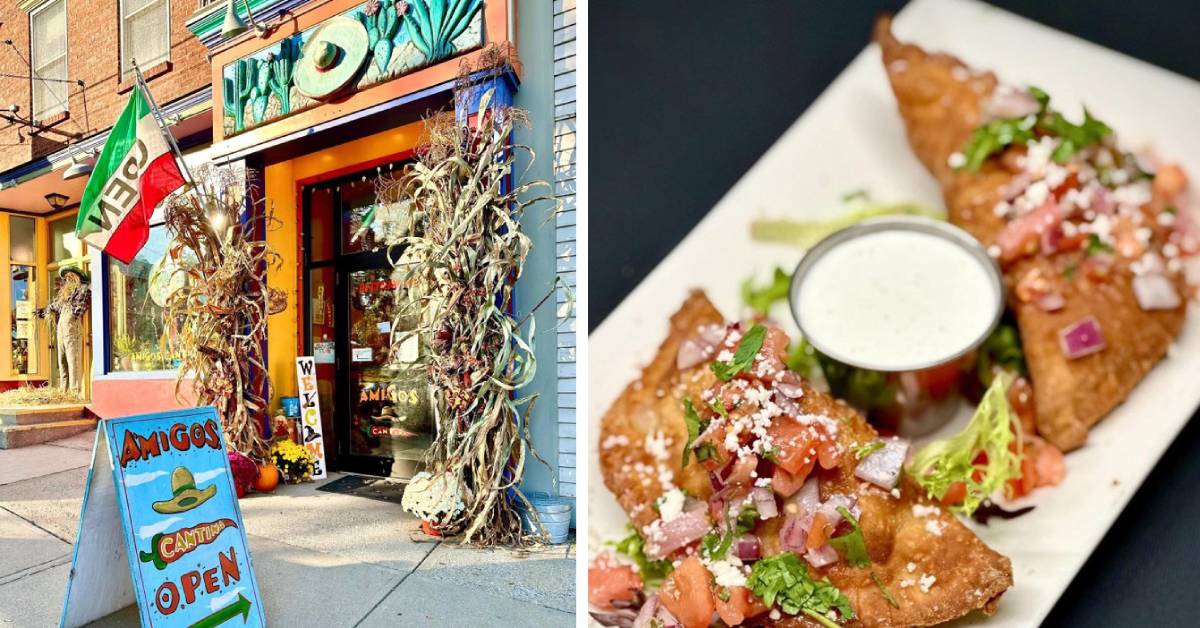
{"type": "Point", "coordinates": [851, 138]}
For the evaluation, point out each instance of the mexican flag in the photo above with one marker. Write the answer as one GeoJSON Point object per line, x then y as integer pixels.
{"type": "Point", "coordinates": [135, 171]}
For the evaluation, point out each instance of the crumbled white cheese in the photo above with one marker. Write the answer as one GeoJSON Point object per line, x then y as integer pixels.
{"type": "Point", "coordinates": [774, 614]}
{"type": "Point", "coordinates": [670, 505]}
{"type": "Point", "coordinates": [926, 582]}
{"type": "Point", "coordinates": [911, 567]}
{"type": "Point", "coordinates": [615, 440]}
{"type": "Point", "coordinates": [896, 493]}
{"type": "Point", "coordinates": [956, 160]}
{"type": "Point", "coordinates": [905, 583]}
{"type": "Point", "coordinates": [921, 510]}
{"type": "Point", "coordinates": [728, 572]}
{"type": "Point", "coordinates": [725, 355]}
{"type": "Point", "coordinates": [934, 527]}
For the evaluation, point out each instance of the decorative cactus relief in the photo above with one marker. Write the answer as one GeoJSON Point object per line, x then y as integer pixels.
{"type": "Point", "coordinates": [433, 30]}
{"type": "Point", "coordinates": [433, 25]}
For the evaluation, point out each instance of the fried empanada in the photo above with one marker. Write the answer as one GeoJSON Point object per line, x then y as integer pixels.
{"type": "Point", "coordinates": [942, 102]}
{"type": "Point", "coordinates": [933, 565]}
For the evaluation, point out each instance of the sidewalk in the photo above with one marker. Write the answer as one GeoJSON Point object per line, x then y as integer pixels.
{"type": "Point", "coordinates": [322, 559]}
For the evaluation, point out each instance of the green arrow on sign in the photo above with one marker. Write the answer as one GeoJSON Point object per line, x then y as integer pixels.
{"type": "Point", "coordinates": [240, 607]}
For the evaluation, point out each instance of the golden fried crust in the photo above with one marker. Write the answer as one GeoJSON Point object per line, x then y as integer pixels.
{"type": "Point", "coordinates": [652, 407]}
{"type": "Point", "coordinates": [940, 111]}
{"type": "Point", "coordinates": [969, 575]}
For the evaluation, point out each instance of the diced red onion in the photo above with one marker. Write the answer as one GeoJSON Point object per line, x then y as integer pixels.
{"type": "Point", "coordinates": [822, 556]}
{"type": "Point", "coordinates": [621, 618]}
{"type": "Point", "coordinates": [1081, 338]}
{"type": "Point", "coordinates": [1051, 236]}
{"type": "Point", "coordinates": [830, 508]}
{"type": "Point", "coordinates": [1155, 292]}
{"type": "Point", "coordinates": [794, 534]}
{"type": "Point", "coordinates": [748, 548]}
{"type": "Point", "coordinates": [1051, 302]}
{"type": "Point", "coordinates": [1102, 201]}
{"type": "Point", "coordinates": [691, 353]}
{"type": "Point", "coordinates": [712, 334]}
{"type": "Point", "coordinates": [789, 384]}
{"type": "Point", "coordinates": [882, 467]}
{"type": "Point", "coordinates": [644, 616]}
{"type": "Point", "coordinates": [1011, 103]}
{"type": "Point", "coordinates": [666, 619]}
{"type": "Point", "coordinates": [806, 500]}
{"type": "Point", "coordinates": [764, 502]}
{"type": "Point", "coordinates": [678, 532]}
{"type": "Point", "coordinates": [787, 404]}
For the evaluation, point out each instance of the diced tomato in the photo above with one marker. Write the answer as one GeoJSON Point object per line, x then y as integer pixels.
{"type": "Point", "coordinates": [1050, 465]}
{"type": "Point", "coordinates": [719, 457]}
{"type": "Point", "coordinates": [939, 381]}
{"type": "Point", "coordinates": [785, 483]}
{"type": "Point", "coordinates": [737, 608]}
{"type": "Point", "coordinates": [1071, 181]}
{"type": "Point", "coordinates": [828, 453]}
{"type": "Point", "coordinates": [609, 582]}
{"type": "Point", "coordinates": [687, 594]}
{"type": "Point", "coordinates": [819, 532]}
{"type": "Point", "coordinates": [794, 444]}
{"type": "Point", "coordinates": [1021, 236]}
{"type": "Point", "coordinates": [1022, 486]}
{"type": "Point", "coordinates": [776, 343]}
{"type": "Point", "coordinates": [955, 494]}
{"type": "Point", "coordinates": [742, 472]}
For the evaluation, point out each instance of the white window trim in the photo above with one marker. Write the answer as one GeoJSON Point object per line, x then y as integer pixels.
{"type": "Point", "coordinates": [121, 37]}
{"type": "Point", "coordinates": [63, 106]}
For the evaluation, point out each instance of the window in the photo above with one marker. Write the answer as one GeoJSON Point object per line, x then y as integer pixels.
{"type": "Point", "coordinates": [135, 322]}
{"type": "Point", "coordinates": [22, 234]}
{"type": "Point", "coordinates": [48, 49]}
{"type": "Point", "coordinates": [145, 34]}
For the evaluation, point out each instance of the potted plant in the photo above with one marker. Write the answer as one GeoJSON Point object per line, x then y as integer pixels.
{"type": "Point", "coordinates": [125, 347]}
{"type": "Point", "coordinates": [435, 499]}
{"type": "Point", "coordinates": [294, 462]}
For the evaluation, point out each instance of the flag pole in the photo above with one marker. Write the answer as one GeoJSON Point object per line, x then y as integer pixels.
{"type": "Point", "coordinates": [162, 125]}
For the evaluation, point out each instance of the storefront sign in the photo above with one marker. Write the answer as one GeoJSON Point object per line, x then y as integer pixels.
{"type": "Point", "coordinates": [313, 438]}
{"type": "Point", "coordinates": [361, 354]}
{"type": "Point", "coordinates": [324, 352]}
{"type": "Point", "coordinates": [160, 503]}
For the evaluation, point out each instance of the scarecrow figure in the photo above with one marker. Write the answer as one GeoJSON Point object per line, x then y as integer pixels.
{"type": "Point", "coordinates": [65, 314]}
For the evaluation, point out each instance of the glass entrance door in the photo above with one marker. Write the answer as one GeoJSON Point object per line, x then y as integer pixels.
{"type": "Point", "coordinates": [379, 394]}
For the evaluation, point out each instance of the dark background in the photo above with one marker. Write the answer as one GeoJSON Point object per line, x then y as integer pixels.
{"type": "Point", "coordinates": [685, 97]}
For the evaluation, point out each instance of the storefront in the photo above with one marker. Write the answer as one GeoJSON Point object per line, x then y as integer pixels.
{"type": "Point", "coordinates": [346, 92]}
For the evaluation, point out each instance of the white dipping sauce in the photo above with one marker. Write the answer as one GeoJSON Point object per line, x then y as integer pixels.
{"type": "Point", "coordinates": [896, 299]}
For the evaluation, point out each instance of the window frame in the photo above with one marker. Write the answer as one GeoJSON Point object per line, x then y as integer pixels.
{"type": "Point", "coordinates": [106, 369]}
{"type": "Point", "coordinates": [66, 57]}
{"type": "Point", "coordinates": [124, 74]}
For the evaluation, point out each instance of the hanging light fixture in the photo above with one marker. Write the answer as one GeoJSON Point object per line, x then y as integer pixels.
{"type": "Point", "coordinates": [234, 25]}
{"type": "Point", "coordinates": [56, 200]}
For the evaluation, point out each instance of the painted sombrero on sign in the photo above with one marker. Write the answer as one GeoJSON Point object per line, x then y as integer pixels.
{"type": "Point", "coordinates": [331, 57]}
{"type": "Point", "coordinates": [184, 494]}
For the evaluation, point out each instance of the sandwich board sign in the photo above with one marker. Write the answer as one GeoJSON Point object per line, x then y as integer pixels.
{"type": "Point", "coordinates": [160, 504]}
{"type": "Point", "coordinates": [311, 435]}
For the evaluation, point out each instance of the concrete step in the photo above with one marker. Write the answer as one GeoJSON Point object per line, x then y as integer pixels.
{"type": "Point", "coordinates": [42, 414]}
{"type": "Point", "coordinates": [13, 436]}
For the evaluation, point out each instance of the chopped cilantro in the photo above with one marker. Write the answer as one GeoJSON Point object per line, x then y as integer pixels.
{"type": "Point", "coordinates": [694, 427]}
{"type": "Point", "coordinates": [706, 451]}
{"type": "Point", "coordinates": [992, 137]}
{"type": "Point", "coordinates": [943, 463]}
{"type": "Point", "coordinates": [653, 572]}
{"type": "Point", "coordinates": [718, 406]}
{"type": "Point", "coordinates": [714, 546]}
{"type": "Point", "coordinates": [887, 595]}
{"type": "Point", "coordinates": [784, 580]}
{"type": "Point", "coordinates": [743, 358]}
{"type": "Point", "coordinates": [866, 449]}
{"type": "Point", "coordinates": [1069, 271]}
{"type": "Point", "coordinates": [1096, 246]}
{"type": "Point", "coordinates": [760, 299]}
{"type": "Point", "coordinates": [724, 593]}
{"type": "Point", "coordinates": [852, 544]}
{"type": "Point", "coordinates": [746, 520]}
{"type": "Point", "coordinates": [1002, 350]}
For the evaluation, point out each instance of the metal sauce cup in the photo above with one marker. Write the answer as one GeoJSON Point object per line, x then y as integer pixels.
{"type": "Point", "coordinates": [920, 397]}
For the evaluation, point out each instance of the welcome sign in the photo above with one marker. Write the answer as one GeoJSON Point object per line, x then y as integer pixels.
{"type": "Point", "coordinates": [311, 436]}
{"type": "Point", "coordinates": [160, 503]}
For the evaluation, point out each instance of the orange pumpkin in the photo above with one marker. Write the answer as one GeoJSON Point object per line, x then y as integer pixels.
{"type": "Point", "coordinates": [268, 478]}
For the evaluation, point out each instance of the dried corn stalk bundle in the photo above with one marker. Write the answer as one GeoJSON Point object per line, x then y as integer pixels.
{"type": "Point", "coordinates": [457, 267]}
{"type": "Point", "coordinates": [216, 313]}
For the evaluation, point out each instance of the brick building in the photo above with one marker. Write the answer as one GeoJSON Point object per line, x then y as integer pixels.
{"type": "Point", "coordinates": [234, 99]}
